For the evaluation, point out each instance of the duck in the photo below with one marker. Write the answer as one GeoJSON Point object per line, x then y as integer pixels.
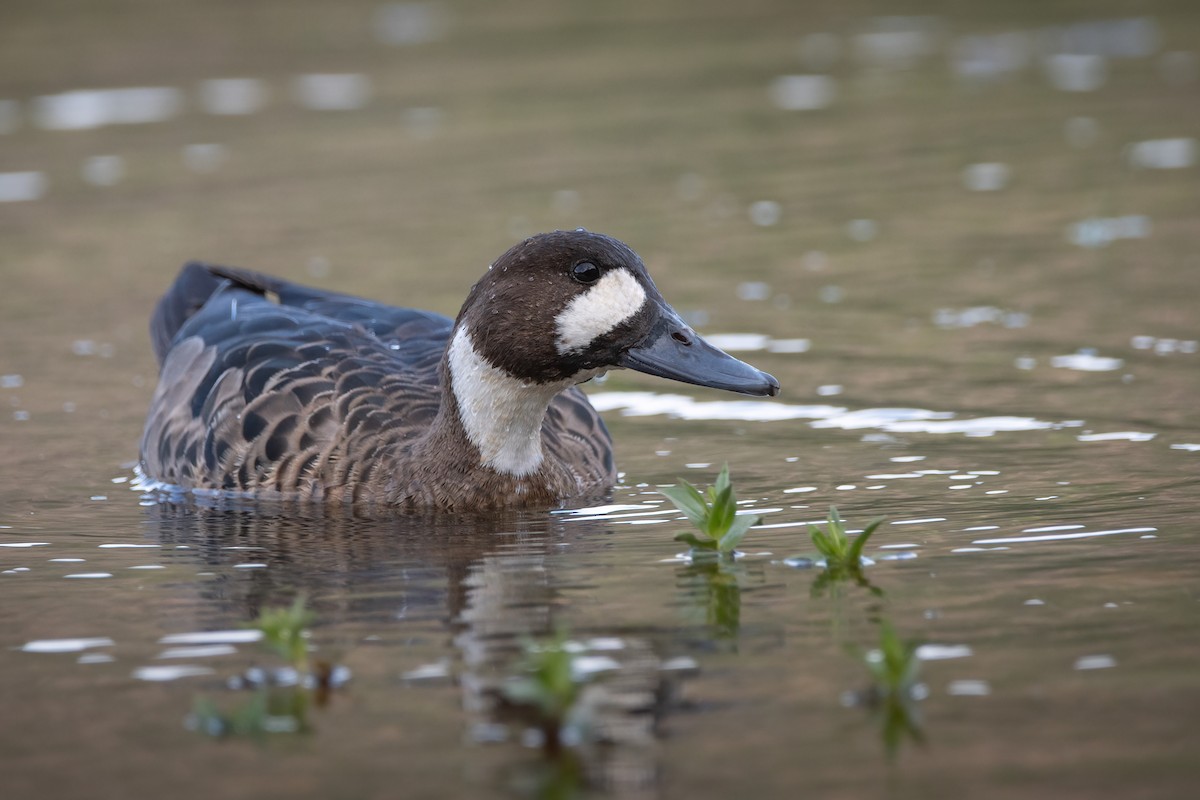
{"type": "Point", "coordinates": [269, 389]}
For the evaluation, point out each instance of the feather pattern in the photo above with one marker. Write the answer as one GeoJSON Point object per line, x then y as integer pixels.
{"type": "Point", "coordinates": [276, 390]}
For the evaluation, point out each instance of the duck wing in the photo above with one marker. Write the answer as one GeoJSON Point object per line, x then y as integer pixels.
{"type": "Point", "coordinates": [268, 385]}
{"type": "Point", "coordinates": [198, 282]}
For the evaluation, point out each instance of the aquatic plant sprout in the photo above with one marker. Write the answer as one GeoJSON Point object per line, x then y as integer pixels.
{"type": "Point", "coordinates": [713, 513]}
{"type": "Point", "coordinates": [836, 547]}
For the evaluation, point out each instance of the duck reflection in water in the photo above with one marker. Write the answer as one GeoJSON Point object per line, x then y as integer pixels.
{"type": "Point", "coordinates": [488, 581]}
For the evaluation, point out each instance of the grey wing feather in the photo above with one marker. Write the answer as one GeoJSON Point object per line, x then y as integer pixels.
{"type": "Point", "coordinates": [257, 394]}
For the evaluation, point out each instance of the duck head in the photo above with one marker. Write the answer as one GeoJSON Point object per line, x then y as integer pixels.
{"type": "Point", "coordinates": [562, 307]}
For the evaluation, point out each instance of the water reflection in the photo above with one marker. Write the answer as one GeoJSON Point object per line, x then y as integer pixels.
{"type": "Point", "coordinates": [712, 591]}
{"type": "Point", "coordinates": [490, 582]}
{"type": "Point", "coordinates": [831, 579]}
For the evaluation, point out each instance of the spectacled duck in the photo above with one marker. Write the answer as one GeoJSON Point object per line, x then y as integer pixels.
{"type": "Point", "coordinates": [269, 389]}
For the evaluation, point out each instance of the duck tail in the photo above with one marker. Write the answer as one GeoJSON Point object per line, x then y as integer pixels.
{"type": "Point", "coordinates": [196, 283]}
{"type": "Point", "coordinates": [199, 281]}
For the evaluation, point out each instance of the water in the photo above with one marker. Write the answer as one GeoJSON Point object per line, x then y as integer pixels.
{"type": "Point", "coordinates": [965, 244]}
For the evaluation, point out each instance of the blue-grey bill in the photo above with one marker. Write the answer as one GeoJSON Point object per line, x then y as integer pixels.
{"type": "Point", "coordinates": [675, 351]}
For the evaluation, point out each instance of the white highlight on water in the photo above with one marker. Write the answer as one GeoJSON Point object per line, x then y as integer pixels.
{"type": "Point", "coordinates": [1177, 153]}
{"type": "Point", "coordinates": [1101, 231]}
{"type": "Point", "coordinates": [198, 651]}
{"type": "Point", "coordinates": [232, 96]}
{"type": "Point", "coordinates": [332, 91]}
{"type": "Point", "coordinates": [892, 420]}
{"type": "Point", "coordinates": [1053, 537]}
{"type": "Point", "coordinates": [94, 108]}
{"type": "Point", "coordinates": [170, 673]}
{"type": "Point", "coordinates": [803, 92]}
{"type": "Point", "coordinates": [989, 176]}
{"type": "Point", "coordinates": [1087, 362]}
{"type": "Point", "coordinates": [405, 24]}
{"type": "Point", "coordinates": [1076, 72]}
{"type": "Point", "coordinates": [65, 645]}
{"type": "Point", "coordinates": [1117, 436]}
{"type": "Point", "coordinates": [943, 652]}
{"type": "Point", "coordinates": [212, 637]}
{"type": "Point", "coordinates": [969, 688]}
{"type": "Point", "coordinates": [1095, 662]}
{"type": "Point", "coordinates": [16, 187]}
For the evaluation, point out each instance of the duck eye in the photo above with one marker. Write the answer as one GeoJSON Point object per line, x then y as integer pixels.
{"type": "Point", "coordinates": [586, 272]}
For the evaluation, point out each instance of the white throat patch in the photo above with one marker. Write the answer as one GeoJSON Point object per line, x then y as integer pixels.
{"type": "Point", "coordinates": [615, 298]}
{"type": "Point", "coordinates": [501, 414]}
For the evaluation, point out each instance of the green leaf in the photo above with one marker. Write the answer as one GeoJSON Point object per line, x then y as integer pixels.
{"type": "Point", "coordinates": [687, 499]}
{"type": "Point", "coordinates": [820, 541]}
{"type": "Point", "coordinates": [737, 531]}
{"type": "Point", "coordinates": [695, 494]}
{"type": "Point", "coordinates": [723, 479]}
{"type": "Point", "coordinates": [713, 513]}
{"type": "Point", "coordinates": [835, 519]}
{"type": "Point", "coordinates": [854, 554]}
{"type": "Point", "coordinates": [699, 544]}
{"type": "Point", "coordinates": [721, 516]}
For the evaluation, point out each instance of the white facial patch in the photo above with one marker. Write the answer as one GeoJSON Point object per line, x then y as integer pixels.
{"type": "Point", "coordinates": [615, 298]}
{"type": "Point", "coordinates": [502, 415]}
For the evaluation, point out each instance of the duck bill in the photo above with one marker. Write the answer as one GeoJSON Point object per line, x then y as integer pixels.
{"type": "Point", "coordinates": [675, 351]}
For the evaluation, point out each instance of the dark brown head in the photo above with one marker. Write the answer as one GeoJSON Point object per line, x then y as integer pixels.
{"type": "Point", "coordinates": [560, 307]}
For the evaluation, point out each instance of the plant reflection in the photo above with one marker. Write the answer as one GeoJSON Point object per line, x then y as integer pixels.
{"type": "Point", "coordinates": [831, 579]}
{"type": "Point", "coordinates": [547, 692]}
{"type": "Point", "coordinates": [269, 710]}
{"type": "Point", "coordinates": [562, 776]}
{"type": "Point", "coordinates": [715, 586]}
{"type": "Point", "coordinates": [281, 696]}
{"type": "Point", "coordinates": [894, 691]}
